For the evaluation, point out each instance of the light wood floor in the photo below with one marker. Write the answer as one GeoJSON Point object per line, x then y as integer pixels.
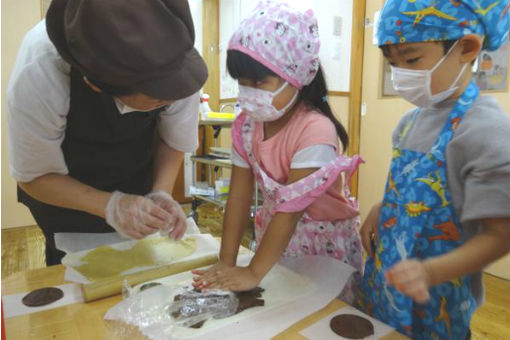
{"type": "Point", "coordinates": [23, 249]}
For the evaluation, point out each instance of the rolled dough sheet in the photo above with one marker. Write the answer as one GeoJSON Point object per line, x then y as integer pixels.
{"type": "Point", "coordinates": [105, 261]}
{"type": "Point", "coordinates": [321, 330]}
{"type": "Point", "coordinates": [290, 294]}
{"type": "Point", "coordinates": [133, 256]}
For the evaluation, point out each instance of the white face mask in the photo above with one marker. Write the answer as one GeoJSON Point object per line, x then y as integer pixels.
{"type": "Point", "coordinates": [415, 85]}
{"type": "Point", "coordinates": [258, 104]}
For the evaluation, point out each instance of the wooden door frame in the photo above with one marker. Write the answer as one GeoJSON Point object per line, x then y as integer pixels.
{"type": "Point", "coordinates": [211, 50]}
{"type": "Point", "coordinates": [211, 56]}
{"type": "Point", "coordinates": [356, 82]}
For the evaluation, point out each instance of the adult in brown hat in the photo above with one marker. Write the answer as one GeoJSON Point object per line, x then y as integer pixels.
{"type": "Point", "coordinates": [102, 104]}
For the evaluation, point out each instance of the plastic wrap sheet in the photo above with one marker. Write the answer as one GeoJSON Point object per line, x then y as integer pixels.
{"type": "Point", "coordinates": [294, 289]}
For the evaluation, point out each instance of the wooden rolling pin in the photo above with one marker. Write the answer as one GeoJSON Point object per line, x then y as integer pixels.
{"type": "Point", "coordinates": [113, 286]}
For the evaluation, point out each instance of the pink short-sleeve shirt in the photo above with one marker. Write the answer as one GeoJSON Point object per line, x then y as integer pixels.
{"type": "Point", "coordinates": [306, 128]}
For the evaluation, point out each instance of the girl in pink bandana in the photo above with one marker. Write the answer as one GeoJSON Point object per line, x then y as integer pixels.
{"type": "Point", "coordinates": [287, 139]}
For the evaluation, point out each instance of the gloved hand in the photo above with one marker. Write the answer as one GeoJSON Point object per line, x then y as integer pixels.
{"type": "Point", "coordinates": [176, 226]}
{"type": "Point", "coordinates": [135, 216]}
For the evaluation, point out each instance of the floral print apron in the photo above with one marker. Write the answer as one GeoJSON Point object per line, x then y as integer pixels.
{"type": "Point", "coordinates": [339, 239]}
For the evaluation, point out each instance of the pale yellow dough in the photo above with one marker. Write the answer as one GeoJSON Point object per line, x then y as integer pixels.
{"type": "Point", "coordinates": [105, 261]}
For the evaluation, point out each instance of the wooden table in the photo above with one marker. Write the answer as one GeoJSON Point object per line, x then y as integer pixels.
{"type": "Point", "coordinates": [84, 321]}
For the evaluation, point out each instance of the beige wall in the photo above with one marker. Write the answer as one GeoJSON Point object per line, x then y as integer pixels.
{"type": "Point", "coordinates": [377, 126]}
{"type": "Point", "coordinates": [340, 106]}
{"type": "Point", "coordinates": [18, 16]}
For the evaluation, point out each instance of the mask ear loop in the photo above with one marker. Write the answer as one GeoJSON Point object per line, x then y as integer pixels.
{"type": "Point", "coordinates": [431, 71]}
{"type": "Point", "coordinates": [291, 102]}
{"type": "Point", "coordinates": [444, 57]}
{"type": "Point", "coordinates": [280, 89]}
{"type": "Point", "coordinates": [460, 75]}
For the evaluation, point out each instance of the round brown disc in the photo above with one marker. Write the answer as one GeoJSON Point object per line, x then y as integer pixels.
{"type": "Point", "coordinates": [351, 326]}
{"type": "Point", "coordinates": [42, 297]}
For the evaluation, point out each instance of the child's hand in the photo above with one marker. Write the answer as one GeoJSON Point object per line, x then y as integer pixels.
{"type": "Point", "coordinates": [411, 278]}
{"type": "Point", "coordinates": [236, 279]}
{"type": "Point", "coordinates": [369, 235]}
{"type": "Point", "coordinates": [204, 278]}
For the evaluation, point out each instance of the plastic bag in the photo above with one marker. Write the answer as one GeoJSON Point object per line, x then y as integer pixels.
{"type": "Point", "coordinates": [192, 307]}
{"type": "Point", "coordinates": [156, 312]}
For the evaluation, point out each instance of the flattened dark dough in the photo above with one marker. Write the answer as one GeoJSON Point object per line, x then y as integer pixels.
{"type": "Point", "coordinates": [257, 292]}
{"type": "Point", "coordinates": [351, 326]}
{"type": "Point", "coordinates": [198, 324]}
{"type": "Point", "coordinates": [250, 299]}
{"type": "Point", "coordinates": [42, 297]}
{"type": "Point", "coordinates": [149, 285]}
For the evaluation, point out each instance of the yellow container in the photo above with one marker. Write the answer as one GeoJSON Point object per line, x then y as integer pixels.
{"type": "Point", "coordinates": [220, 115]}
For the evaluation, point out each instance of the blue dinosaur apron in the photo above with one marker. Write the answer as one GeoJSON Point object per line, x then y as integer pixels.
{"type": "Point", "coordinates": [418, 220]}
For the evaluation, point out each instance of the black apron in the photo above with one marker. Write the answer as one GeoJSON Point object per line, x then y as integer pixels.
{"type": "Point", "coordinates": [103, 149]}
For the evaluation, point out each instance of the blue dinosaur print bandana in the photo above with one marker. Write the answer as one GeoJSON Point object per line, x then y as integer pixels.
{"type": "Point", "coordinates": [408, 21]}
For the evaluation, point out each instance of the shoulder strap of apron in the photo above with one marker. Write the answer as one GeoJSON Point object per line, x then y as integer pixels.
{"type": "Point", "coordinates": [300, 194]}
{"type": "Point", "coordinates": [463, 105]}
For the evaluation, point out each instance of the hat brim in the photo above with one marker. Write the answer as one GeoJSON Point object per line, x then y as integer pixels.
{"type": "Point", "coordinates": [177, 83]}
{"type": "Point", "coordinates": [180, 83]}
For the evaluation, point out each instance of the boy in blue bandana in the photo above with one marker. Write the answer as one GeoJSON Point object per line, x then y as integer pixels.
{"type": "Point", "coordinates": [446, 209]}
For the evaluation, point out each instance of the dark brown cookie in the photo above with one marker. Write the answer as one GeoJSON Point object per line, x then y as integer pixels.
{"type": "Point", "coordinates": [351, 326]}
{"type": "Point", "coordinates": [149, 285]}
{"type": "Point", "coordinates": [42, 297]}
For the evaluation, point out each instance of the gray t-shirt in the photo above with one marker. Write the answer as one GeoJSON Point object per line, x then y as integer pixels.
{"type": "Point", "coordinates": [477, 161]}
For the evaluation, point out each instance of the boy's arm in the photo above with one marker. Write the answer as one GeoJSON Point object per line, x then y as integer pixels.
{"type": "Point", "coordinates": [414, 278]}
{"type": "Point", "coordinates": [483, 249]}
{"type": "Point", "coordinates": [369, 232]}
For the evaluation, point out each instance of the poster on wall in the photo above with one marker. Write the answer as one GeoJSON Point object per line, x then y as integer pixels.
{"type": "Point", "coordinates": [492, 73]}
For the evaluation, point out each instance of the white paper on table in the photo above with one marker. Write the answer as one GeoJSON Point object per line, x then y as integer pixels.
{"type": "Point", "coordinates": [206, 245]}
{"type": "Point", "coordinates": [75, 242]}
{"type": "Point", "coordinates": [13, 305]}
{"type": "Point", "coordinates": [293, 290]}
{"type": "Point", "coordinates": [322, 331]}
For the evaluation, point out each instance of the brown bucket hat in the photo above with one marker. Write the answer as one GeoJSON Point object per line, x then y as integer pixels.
{"type": "Point", "coordinates": [144, 45]}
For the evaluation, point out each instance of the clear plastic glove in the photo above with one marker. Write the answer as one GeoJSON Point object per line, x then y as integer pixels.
{"type": "Point", "coordinates": [176, 225]}
{"type": "Point", "coordinates": [135, 216]}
